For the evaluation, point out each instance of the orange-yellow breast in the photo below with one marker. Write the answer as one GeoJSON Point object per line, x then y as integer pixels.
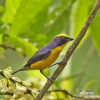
{"type": "Point", "coordinates": [42, 64]}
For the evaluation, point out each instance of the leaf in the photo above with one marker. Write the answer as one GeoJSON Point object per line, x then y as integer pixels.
{"type": "Point", "coordinates": [2, 27]}
{"type": "Point", "coordinates": [53, 21]}
{"type": "Point", "coordinates": [58, 26]}
{"type": "Point", "coordinates": [95, 33]}
{"type": "Point", "coordinates": [27, 47]}
{"type": "Point", "coordinates": [11, 10]}
{"type": "Point", "coordinates": [99, 90]}
{"type": "Point", "coordinates": [58, 19]}
{"type": "Point", "coordinates": [78, 16]}
{"type": "Point", "coordinates": [1, 35]}
{"type": "Point", "coordinates": [1, 9]}
{"type": "Point", "coordinates": [26, 12]}
{"type": "Point", "coordinates": [89, 84]}
{"type": "Point", "coordinates": [39, 39]}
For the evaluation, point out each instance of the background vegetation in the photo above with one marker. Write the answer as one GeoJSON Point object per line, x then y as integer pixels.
{"type": "Point", "coordinates": [26, 26]}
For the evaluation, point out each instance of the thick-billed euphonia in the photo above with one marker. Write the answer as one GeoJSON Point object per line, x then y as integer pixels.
{"type": "Point", "coordinates": [47, 55]}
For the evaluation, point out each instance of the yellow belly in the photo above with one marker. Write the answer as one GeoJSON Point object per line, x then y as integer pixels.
{"type": "Point", "coordinates": [43, 64]}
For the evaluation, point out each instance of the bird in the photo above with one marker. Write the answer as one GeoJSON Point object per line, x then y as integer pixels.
{"type": "Point", "coordinates": [46, 55]}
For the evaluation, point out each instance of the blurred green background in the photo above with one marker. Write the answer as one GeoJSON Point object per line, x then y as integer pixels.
{"type": "Point", "coordinates": [27, 25]}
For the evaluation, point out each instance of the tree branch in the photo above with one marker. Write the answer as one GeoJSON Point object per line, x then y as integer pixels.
{"type": "Point", "coordinates": [65, 92]}
{"type": "Point", "coordinates": [7, 93]}
{"type": "Point", "coordinates": [90, 97]}
{"type": "Point", "coordinates": [70, 50]}
{"type": "Point", "coordinates": [74, 96]}
{"type": "Point", "coordinates": [14, 80]}
{"type": "Point", "coordinates": [7, 46]}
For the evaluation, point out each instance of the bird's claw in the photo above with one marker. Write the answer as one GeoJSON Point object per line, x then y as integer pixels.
{"type": "Point", "coordinates": [62, 63]}
{"type": "Point", "coordinates": [51, 79]}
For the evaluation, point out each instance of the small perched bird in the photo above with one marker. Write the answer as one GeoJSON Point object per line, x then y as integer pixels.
{"type": "Point", "coordinates": [47, 55]}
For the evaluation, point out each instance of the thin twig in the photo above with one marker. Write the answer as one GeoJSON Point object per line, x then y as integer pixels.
{"type": "Point", "coordinates": [90, 97]}
{"type": "Point", "coordinates": [1, 73]}
{"type": "Point", "coordinates": [70, 50]}
{"type": "Point", "coordinates": [7, 46]}
{"type": "Point", "coordinates": [6, 93]}
{"type": "Point", "coordinates": [65, 92]}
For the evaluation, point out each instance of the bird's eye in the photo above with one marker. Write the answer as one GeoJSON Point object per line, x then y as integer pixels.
{"type": "Point", "coordinates": [64, 39]}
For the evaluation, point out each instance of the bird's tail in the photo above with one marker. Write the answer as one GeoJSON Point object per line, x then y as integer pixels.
{"type": "Point", "coordinates": [19, 70]}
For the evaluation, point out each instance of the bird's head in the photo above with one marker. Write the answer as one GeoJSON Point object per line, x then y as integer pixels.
{"type": "Point", "coordinates": [62, 39]}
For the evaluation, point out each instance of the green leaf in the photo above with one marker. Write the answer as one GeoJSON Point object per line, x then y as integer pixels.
{"type": "Point", "coordinates": [89, 84]}
{"type": "Point", "coordinates": [99, 90]}
{"type": "Point", "coordinates": [1, 9]}
{"type": "Point", "coordinates": [58, 19]}
{"type": "Point", "coordinates": [28, 48]}
{"type": "Point", "coordinates": [11, 10]}
{"type": "Point", "coordinates": [2, 27]}
{"type": "Point", "coordinates": [58, 25]}
{"type": "Point", "coordinates": [53, 21]}
{"type": "Point", "coordinates": [78, 16]}
{"type": "Point", "coordinates": [95, 33]}
{"type": "Point", "coordinates": [26, 12]}
{"type": "Point", "coordinates": [39, 39]}
{"type": "Point", "coordinates": [1, 36]}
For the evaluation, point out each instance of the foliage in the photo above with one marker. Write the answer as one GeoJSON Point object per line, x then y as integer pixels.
{"type": "Point", "coordinates": [26, 18]}
{"type": "Point", "coordinates": [28, 25]}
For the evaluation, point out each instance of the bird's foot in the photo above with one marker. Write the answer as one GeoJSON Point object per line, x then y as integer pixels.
{"type": "Point", "coordinates": [62, 63]}
{"type": "Point", "coordinates": [59, 63]}
{"type": "Point", "coordinates": [51, 79]}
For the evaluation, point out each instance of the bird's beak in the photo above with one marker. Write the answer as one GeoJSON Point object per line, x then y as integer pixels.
{"type": "Point", "coordinates": [70, 39]}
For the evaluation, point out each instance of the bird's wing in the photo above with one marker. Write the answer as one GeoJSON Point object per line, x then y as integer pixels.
{"type": "Point", "coordinates": [41, 54]}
